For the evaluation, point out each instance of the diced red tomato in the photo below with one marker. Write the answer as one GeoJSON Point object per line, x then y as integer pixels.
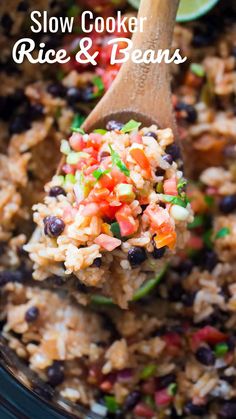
{"type": "Point", "coordinates": [157, 216]}
{"type": "Point", "coordinates": [170, 187]}
{"type": "Point", "coordinates": [136, 138]}
{"type": "Point", "coordinates": [90, 209]}
{"type": "Point", "coordinates": [128, 225]}
{"type": "Point", "coordinates": [107, 181]}
{"type": "Point", "coordinates": [195, 242]}
{"type": "Point", "coordinates": [208, 334]}
{"type": "Point", "coordinates": [94, 140]}
{"type": "Point", "coordinates": [118, 176]}
{"type": "Point", "coordinates": [141, 159]}
{"type": "Point", "coordinates": [162, 398]}
{"type": "Point", "coordinates": [90, 170]}
{"type": "Point", "coordinates": [107, 210]}
{"type": "Point", "coordinates": [107, 242]}
{"type": "Point", "coordinates": [143, 410]}
{"type": "Point", "coordinates": [100, 194]}
{"type": "Point", "coordinates": [76, 142]}
{"type": "Point", "coordinates": [166, 239]}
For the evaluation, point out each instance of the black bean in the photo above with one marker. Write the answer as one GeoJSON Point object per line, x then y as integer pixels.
{"type": "Point", "coordinates": [151, 134]}
{"type": "Point", "coordinates": [228, 204]}
{"type": "Point", "coordinates": [114, 125]}
{"type": "Point", "coordinates": [166, 380]}
{"type": "Point", "coordinates": [56, 191]}
{"type": "Point", "coordinates": [174, 151]}
{"type": "Point", "coordinates": [185, 267]}
{"type": "Point", "coordinates": [136, 256]}
{"type": "Point", "coordinates": [56, 89]}
{"type": "Point", "coordinates": [176, 292]}
{"type": "Point", "coordinates": [6, 22]}
{"type": "Point", "coordinates": [168, 158]}
{"type": "Point", "coordinates": [160, 172]}
{"type": "Point", "coordinates": [229, 379]}
{"type": "Point", "coordinates": [196, 410]}
{"type": "Point", "coordinates": [205, 356]}
{"type": "Point", "coordinates": [32, 314]}
{"type": "Point", "coordinates": [11, 276]}
{"type": "Point", "coordinates": [158, 253]}
{"type": "Point", "coordinates": [97, 262]}
{"type": "Point", "coordinates": [55, 374]}
{"type": "Point", "coordinates": [23, 6]}
{"type": "Point", "coordinates": [19, 124]}
{"type": "Point", "coordinates": [191, 113]}
{"type": "Point", "coordinates": [228, 410]}
{"type": "Point", "coordinates": [87, 94]}
{"type": "Point", "coordinates": [188, 299]}
{"type": "Point", "coordinates": [231, 343]}
{"type": "Point", "coordinates": [73, 95]}
{"type": "Point", "coordinates": [53, 226]}
{"type": "Point", "coordinates": [132, 399]}
{"type": "Point", "coordinates": [36, 111]}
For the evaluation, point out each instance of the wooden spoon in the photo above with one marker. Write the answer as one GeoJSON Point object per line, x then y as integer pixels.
{"type": "Point", "coordinates": [142, 91]}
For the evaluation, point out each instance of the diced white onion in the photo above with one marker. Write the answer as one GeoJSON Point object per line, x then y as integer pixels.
{"type": "Point", "coordinates": [179, 213]}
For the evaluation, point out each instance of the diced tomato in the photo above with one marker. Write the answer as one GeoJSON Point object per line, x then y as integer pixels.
{"type": "Point", "coordinates": [195, 242]}
{"type": "Point", "coordinates": [76, 142]}
{"type": "Point", "coordinates": [208, 334]}
{"type": "Point", "coordinates": [128, 225]}
{"type": "Point", "coordinates": [100, 194]}
{"type": "Point", "coordinates": [143, 410]}
{"type": "Point", "coordinates": [90, 209]}
{"type": "Point", "coordinates": [157, 216]}
{"type": "Point", "coordinates": [170, 187]}
{"type": "Point", "coordinates": [136, 138]}
{"type": "Point", "coordinates": [107, 210]}
{"type": "Point", "coordinates": [106, 181]}
{"type": "Point", "coordinates": [95, 140]}
{"type": "Point", "coordinates": [141, 159]}
{"type": "Point", "coordinates": [107, 242]}
{"type": "Point", "coordinates": [162, 398]}
{"type": "Point", "coordinates": [118, 176]}
{"type": "Point", "coordinates": [166, 239]}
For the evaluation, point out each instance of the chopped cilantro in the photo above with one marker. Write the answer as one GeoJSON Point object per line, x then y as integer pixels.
{"type": "Point", "coordinates": [99, 173]}
{"type": "Point", "coordinates": [98, 83]}
{"type": "Point", "coordinates": [115, 229]}
{"type": "Point", "coordinates": [197, 69]}
{"type": "Point", "coordinates": [172, 389]}
{"type": "Point", "coordinates": [116, 160]}
{"type": "Point", "coordinates": [221, 349]}
{"type": "Point", "coordinates": [209, 200]}
{"type": "Point", "coordinates": [111, 404]}
{"type": "Point", "coordinates": [76, 124]}
{"type": "Point", "coordinates": [148, 371]}
{"type": "Point", "coordinates": [130, 126]}
{"type": "Point", "coordinates": [181, 201]}
{"type": "Point", "coordinates": [197, 222]}
{"type": "Point", "coordinates": [182, 183]}
{"type": "Point", "coordinates": [223, 232]}
{"type": "Point", "coordinates": [100, 131]}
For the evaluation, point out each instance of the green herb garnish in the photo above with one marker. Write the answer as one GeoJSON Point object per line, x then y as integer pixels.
{"type": "Point", "coordinates": [115, 229]}
{"type": "Point", "coordinates": [223, 232]}
{"type": "Point", "coordinates": [209, 200]}
{"type": "Point", "coordinates": [221, 349]}
{"type": "Point", "coordinates": [130, 126]}
{"type": "Point", "coordinates": [197, 222]}
{"type": "Point", "coordinates": [76, 124]}
{"type": "Point", "coordinates": [100, 131]}
{"type": "Point", "coordinates": [207, 238]}
{"type": "Point", "coordinates": [99, 173]}
{"type": "Point", "coordinates": [181, 183]}
{"type": "Point", "coordinates": [148, 371]}
{"type": "Point", "coordinates": [116, 160]}
{"type": "Point", "coordinates": [172, 389]}
{"type": "Point", "coordinates": [197, 69]}
{"type": "Point", "coordinates": [181, 201]}
{"type": "Point", "coordinates": [98, 83]}
{"type": "Point", "coordinates": [111, 404]}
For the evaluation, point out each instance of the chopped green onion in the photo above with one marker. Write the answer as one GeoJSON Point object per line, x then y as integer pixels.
{"type": "Point", "coordinates": [77, 122]}
{"type": "Point", "coordinates": [221, 349]}
{"type": "Point", "coordinates": [148, 286]}
{"type": "Point", "coordinates": [223, 232]}
{"type": "Point", "coordinates": [172, 389]}
{"type": "Point", "coordinates": [130, 126]}
{"type": "Point", "coordinates": [182, 202]}
{"type": "Point", "coordinates": [111, 404]}
{"type": "Point", "coordinates": [207, 238]}
{"type": "Point", "coordinates": [197, 69]}
{"type": "Point", "coordinates": [100, 131]}
{"type": "Point", "coordinates": [116, 160]}
{"type": "Point", "coordinates": [97, 81]}
{"type": "Point", "coordinates": [209, 200]}
{"type": "Point", "coordinates": [197, 222]}
{"type": "Point", "coordinates": [181, 183]}
{"type": "Point", "coordinates": [99, 173]}
{"type": "Point", "coordinates": [70, 178]}
{"type": "Point", "coordinates": [65, 147]}
{"type": "Point", "coordinates": [148, 371]}
{"type": "Point", "coordinates": [115, 229]}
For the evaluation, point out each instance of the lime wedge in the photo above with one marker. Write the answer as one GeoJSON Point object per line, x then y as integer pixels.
{"type": "Point", "coordinates": [192, 9]}
{"type": "Point", "coordinates": [188, 9]}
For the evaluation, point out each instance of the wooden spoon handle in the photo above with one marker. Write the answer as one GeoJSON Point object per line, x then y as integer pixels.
{"type": "Point", "coordinates": [144, 89]}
